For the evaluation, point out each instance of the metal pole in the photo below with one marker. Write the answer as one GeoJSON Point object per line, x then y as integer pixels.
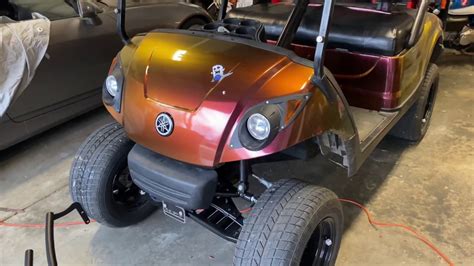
{"type": "Point", "coordinates": [120, 14]}
{"type": "Point", "coordinates": [29, 257]}
{"type": "Point", "coordinates": [419, 19]}
{"type": "Point", "coordinates": [223, 9]}
{"type": "Point", "coordinates": [294, 21]}
{"type": "Point", "coordinates": [49, 238]}
{"type": "Point", "coordinates": [322, 39]}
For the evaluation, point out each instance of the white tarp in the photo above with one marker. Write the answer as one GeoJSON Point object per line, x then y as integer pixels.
{"type": "Point", "coordinates": [23, 45]}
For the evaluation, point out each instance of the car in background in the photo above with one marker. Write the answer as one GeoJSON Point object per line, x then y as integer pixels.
{"type": "Point", "coordinates": [68, 81]}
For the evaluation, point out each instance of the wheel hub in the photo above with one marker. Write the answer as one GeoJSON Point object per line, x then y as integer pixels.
{"type": "Point", "coordinates": [125, 192]}
{"type": "Point", "coordinates": [320, 247]}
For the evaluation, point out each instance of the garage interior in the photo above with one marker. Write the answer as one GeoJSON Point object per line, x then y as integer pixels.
{"type": "Point", "coordinates": [428, 186]}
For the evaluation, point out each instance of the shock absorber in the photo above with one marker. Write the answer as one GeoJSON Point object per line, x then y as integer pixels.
{"type": "Point", "coordinates": [242, 187]}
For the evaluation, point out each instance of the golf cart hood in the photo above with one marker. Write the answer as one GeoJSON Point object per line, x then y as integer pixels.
{"type": "Point", "coordinates": [184, 70]}
{"type": "Point", "coordinates": [205, 85]}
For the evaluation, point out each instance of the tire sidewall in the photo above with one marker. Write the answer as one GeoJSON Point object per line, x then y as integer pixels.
{"type": "Point", "coordinates": [283, 221]}
{"type": "Point", "coordinates": [429, 97]}
{"type": "Point", "coordinates": [83, 156]}
{"type": "Point", "coordinates": [99, 159]}
{"type": "Point", "coordinates": [410, 127]}
{"type": "Point", "coordinates": [118, 213]}
{"type": "Point", "coordinates": [332, 209]}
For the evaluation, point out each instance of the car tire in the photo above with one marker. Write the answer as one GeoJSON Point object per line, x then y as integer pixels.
{"type": "Point", "coordinates": [290, 223]}
{"type": "Point", "coordinates": [100, 182]}
{"type": "Point", "coordinates": [192, 23]}
{"type": "Point", "coordinates": [414, 124]}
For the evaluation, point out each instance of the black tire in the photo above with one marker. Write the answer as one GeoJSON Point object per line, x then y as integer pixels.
{"type": "Point", "coordinates": [100, 181]}
{"type": "Point", "coordinates": [283, 226]}
{"type": "Point", "coordinates": [414, 124]}
{"type": "Point", "coordinates": [192, 23]}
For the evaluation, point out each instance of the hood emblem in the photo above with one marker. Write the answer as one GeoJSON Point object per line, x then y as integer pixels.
{"type": "Point", "coordinates": [218, 73]}
{"type": "Point", "coordinates": [164, 124]}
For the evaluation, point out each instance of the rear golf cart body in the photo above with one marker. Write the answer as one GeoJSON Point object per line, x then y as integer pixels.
{"type": "Point", "coordinates": [196, 108]}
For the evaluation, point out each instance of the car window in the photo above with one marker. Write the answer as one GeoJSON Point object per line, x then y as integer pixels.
{"type": "Point", "coordinates": [52, 9]}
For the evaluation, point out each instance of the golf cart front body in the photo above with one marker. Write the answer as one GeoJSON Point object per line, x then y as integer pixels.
{"type": "Point", "coordinates": [195, 109]}
{"type": "Point", "coordinates": [198, 108]}
{"type": "Point", "coordinates": [171, 72]}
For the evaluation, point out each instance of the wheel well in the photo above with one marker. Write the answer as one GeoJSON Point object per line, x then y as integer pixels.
{"type": "Point", "coordinates": [437, 50]}
{"type": "Point", "coordinates": [200, 17]}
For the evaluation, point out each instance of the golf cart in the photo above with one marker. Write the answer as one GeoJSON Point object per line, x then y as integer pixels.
{"type": "Point", "coordinates": [195, 109]}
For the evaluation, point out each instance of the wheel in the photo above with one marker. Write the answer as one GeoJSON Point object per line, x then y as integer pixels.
{"type": "Point", "coordinates": [192, 23]}
{"type": "Point", "coordinates": [100, 180]}
{"type": "Point", "coordinates": [292, 223]}
{"type": "Point", "coordinates": [414, 124]}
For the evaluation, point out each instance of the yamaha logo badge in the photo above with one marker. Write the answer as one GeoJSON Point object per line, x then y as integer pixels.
{"type": "Point", "coordinates": [164, 124]}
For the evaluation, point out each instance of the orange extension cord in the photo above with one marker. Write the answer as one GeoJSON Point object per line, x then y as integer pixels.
{"type": "Point", "coordinates": [407, 228]}
{"type": "Point", "coordinates": [362, 207]}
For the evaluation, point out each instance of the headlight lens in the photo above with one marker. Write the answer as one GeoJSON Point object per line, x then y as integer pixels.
{"type": "Point", "coordinates": [258, 126]}
{"type": "Point", "coordinates": [111, 85]}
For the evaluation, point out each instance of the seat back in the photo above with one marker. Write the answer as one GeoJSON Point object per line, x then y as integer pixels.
{"type": "Point", "coordinates": [354, 29]}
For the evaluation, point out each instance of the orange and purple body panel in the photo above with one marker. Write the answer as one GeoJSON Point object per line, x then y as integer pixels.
{"type": "Point", "coordinates": [172, 72]}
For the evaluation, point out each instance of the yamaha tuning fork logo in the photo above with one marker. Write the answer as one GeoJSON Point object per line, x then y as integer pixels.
{"type": "Point", "coordinates": [164, 124]}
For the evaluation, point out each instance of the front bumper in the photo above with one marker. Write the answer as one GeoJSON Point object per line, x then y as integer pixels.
{"type": "Point", "coordinates": [167, 180]}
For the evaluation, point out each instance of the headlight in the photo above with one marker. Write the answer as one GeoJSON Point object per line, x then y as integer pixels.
{"type": "Point", "coordinates": [112, 89]}
{"type": "Point", "coordinates": [258, 126]}
{"type": "Point", "coordinates": [111, 85]}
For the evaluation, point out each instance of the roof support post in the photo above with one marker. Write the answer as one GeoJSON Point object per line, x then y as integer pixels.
{"type": "Point", "coordinates": [223, 9]}
{"type": "Point", "coordinates": [322, 39]}
{"type": "Point", "coordinates": [292, 24]}
{"type": "Point", "coordinates": [419, 19]}
{"type": "Point", "coordinates": [120, 15]}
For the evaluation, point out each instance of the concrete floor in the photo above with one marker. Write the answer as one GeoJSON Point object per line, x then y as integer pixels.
{"type": "Point", "coordinates": [427, 186]}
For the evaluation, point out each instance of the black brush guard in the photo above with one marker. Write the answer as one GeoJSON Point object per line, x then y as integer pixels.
{"type": "Point", "coordinates": [49, 233]}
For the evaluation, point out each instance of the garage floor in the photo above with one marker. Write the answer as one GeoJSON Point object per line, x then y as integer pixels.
{"type": "Point", "coordinates": [429, 186]}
